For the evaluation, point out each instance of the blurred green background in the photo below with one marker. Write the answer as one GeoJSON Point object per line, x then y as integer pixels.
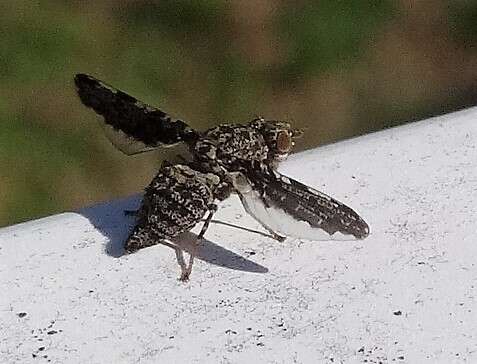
{"type": "Point", "coordinates": [339, 68]}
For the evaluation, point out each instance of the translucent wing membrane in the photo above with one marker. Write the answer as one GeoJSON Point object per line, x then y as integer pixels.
{"type": "Point", "coordinates": [291, 208]}
{"type": "Point", "coordinates": [126, 144]}
{"type": "Point", "coordinates": [132, 126]}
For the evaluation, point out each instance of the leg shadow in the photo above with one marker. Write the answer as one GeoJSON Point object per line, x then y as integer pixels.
{"type": "Point", "coordinates": [111, 221]}
{"type": "Point", "coordinates": [242, 228]}
{"type": "Point", "coordinates": [109, 218]}
{"type": "Point", "coordinates": [215, 254]}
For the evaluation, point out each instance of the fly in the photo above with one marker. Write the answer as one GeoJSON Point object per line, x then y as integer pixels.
{"type": "Point", "coordinates": [229, 158]}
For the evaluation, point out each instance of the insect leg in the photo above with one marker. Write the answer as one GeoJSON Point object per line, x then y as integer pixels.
{"type": "Point", "coordinates": [186, 273]}
{"type": "Point", "coordinates": [180, 259]}
{"type": "Point", "coordinates": [212, 211]}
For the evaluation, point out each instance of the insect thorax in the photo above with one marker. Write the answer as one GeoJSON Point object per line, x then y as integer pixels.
{"type": "Point", "coordinates": [258, 141]}
{"type": "Point", "coordinates": [228, 145]}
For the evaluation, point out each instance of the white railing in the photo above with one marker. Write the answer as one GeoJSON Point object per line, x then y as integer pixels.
{"type": "Point", "coordinates": [405, 294]}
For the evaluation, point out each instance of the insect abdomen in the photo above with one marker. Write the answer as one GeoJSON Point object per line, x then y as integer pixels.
{"type": "Point", "coordinates": [174, 202]}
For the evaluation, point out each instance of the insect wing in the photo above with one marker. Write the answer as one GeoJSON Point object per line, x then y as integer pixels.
{"type": "Point", "coordinates": [126, 144]}
{"type": "Point", "coordinates": [291, 208]}
{"type": "Point", "coordinates": [131, 125]}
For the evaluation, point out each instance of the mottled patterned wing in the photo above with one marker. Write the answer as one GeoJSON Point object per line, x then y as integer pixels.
{"type": "Point", "coordinates": [132, 126]}
{"type": "Point", "coordinates": [291, 208]}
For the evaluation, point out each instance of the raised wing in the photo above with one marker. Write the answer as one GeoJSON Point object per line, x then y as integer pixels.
{"type": "Point", "coordinates": [285, 206]}
{"type": "Point", "coordinates": [132, 126]}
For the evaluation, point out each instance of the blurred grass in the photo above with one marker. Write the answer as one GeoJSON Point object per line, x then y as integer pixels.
{"type": "Point", "coordinates": [340, 68]}
{"type": "Point", "coordinates": [324, 35]}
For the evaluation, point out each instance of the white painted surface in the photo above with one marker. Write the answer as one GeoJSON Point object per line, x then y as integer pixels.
{"type": "Point", "coordinates": [406, 294]}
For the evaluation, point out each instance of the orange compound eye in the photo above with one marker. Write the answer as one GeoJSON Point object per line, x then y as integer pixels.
{"type": "Point", "coordinates": [284, 142]}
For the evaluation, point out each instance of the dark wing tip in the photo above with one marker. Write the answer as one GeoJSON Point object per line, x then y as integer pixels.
{"type": "Point", "coordinates": [82, 80]}
{"type": "Point", "coordinates": [362, 230]}
{"type": "Point", "coordinates": [351, 222]}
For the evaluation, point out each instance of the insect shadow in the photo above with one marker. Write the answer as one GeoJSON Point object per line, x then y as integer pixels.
{"type": "Point", "coordinates": [110, 219]}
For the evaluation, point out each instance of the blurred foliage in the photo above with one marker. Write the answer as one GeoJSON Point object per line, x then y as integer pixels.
{"type": "Point", "coordinates": [462, 22]}
{"type": "Point", "coordinates": [322, 35]}
{"type": "Point", "coordinates": [338, 68]}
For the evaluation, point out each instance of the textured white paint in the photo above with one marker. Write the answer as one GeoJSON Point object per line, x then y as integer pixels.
{"type": "Point", "coordinates": [407, 293]}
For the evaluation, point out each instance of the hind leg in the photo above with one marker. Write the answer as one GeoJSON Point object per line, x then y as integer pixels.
{"type": "Point", "coordinates": [186, 273]}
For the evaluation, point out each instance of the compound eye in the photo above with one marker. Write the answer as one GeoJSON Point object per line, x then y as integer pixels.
{"type": "Point", "coordinates": [284, 142]}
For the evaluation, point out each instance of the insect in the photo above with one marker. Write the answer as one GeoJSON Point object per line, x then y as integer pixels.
{"type": "Point", "coordinates": [226, 159]}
